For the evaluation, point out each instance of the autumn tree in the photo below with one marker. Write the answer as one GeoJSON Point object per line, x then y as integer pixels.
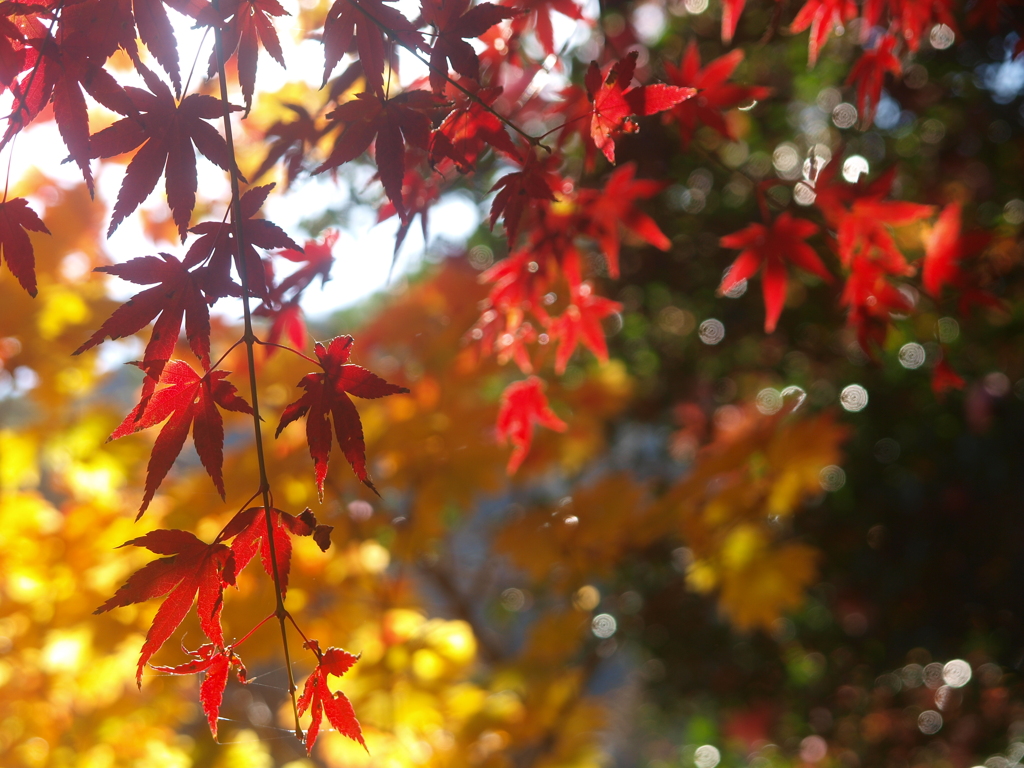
{"type": "Point", "coordinates": [591, 500]}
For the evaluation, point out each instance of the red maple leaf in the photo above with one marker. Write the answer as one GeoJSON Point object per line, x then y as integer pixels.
{"type": "Point", "coordinates": [217, 245]}
{"type": "Point", "coordinates": [912, 18]}
{"type": "Point", "coordinates": [468, 129]}
{"type": "Point", "coordinates": [64, 65]}
{"type": "Point", "coordinates": [318, 257]}
{"type": "Point", "coordinates": [945, 249]}
{"type": "Point", "coordinates": [190, 400]}
{"type": "Point", "coordinates": [15, 218]}
{"type": "Point", "coordinates": [249, 529]}
{"type": "Point", "coordinates": [945, 378]}
{"type": "Point", "coordinates": [616, 104]}
{"type": "Point", "coordinates": [822, 16]}
{"type": "Point", "coordinates": [420, 194]}
{"type": "Point", "coordinates": [176, 297]}
{"type": "Point", "coordinates": [249, 26]}
{"type": "Point", "coordinates": [393, 122]}
{"type": "Point", "coordinates": [714, 93]}
{"type": "Point", "coordinates": [156, 32]}
{"type": "Point", "coordinates": [193, 567]}
{"type": "Point", "coordinates": [581, 322]}
{"type": "Point", "coordinates": [871, 300]}
{"type": "Point", "coordinates": [455, 20]}
{"type": "Point", "coordinates": [519, 189]}
{"type": "Point", "coordinates": [869, 75]}
{"type": "Point", "coordinates": [292, 142]}
{"type": "Point", "coordinates": [773, 247]}
{"type": "Point", "coordinates": [612, 208]}
{"type": "Point", "coordinates": [326, 396]}
{"type": "Point", "coordinates": [731, 10]}
{"type": "Point", "coordinates": [319, 700]}
{"type": "Point", "coordinates": [372, 19]}
{"type": "Point", "coordinates": [217, 663]}
{"type": "Point", "coordinates": [536, 17]}
{"type": "Point", "coordinates": [165, 132]}
{"type": "Point", "coordinates": [523, 405]}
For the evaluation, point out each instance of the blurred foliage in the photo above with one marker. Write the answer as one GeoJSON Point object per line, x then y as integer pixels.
{"type": "Point", "coordinates": [704, 559]}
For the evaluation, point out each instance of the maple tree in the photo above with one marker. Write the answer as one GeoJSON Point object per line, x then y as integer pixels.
{"type": "Point", "coordinates": [524, 377]}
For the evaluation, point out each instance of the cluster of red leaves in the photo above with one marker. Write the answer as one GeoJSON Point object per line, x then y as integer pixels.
{"type": "Point", "coordinates": [193, 572]}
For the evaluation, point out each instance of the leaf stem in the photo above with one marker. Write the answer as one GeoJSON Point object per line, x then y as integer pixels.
{"type": "Point", "coordinates": [250, 343]}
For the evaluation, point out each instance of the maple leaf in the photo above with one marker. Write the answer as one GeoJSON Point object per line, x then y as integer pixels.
{"type": "Point", "coordinates": [12, 45]}
{"type": "Point", "coordinates": [822, 16]}
{"type": "Point", "coordinates": [318, 699]}
{"type": "Point", "coordinates": [156, 32]}
{"type": "Point", "coordinates": [581, 322]}
{"type": "Point", "coordinates": [364, 22]}
{"type": "Point", "coordinates": [612, 207]}
{"type": "Point", "coordinates": [455, 20]}
{"type": "Point", "coordinates": [249, 25]}
{"type": "Point", "coordinates": [869, 75]}
{"type": "Point", "coordinates": [165, 132]}
{"type": "Point", "coordinates": [318, 257]}
{"type": "Point", "coordinates": [773, 247]}
{"type": "Point", "coordinates": [945, 249]}
{"type": "Point", "coordinates": [393, 122]}
{"type": "Point", "coordinates": [327, 395]}
{"type": "Point", "coordinates": [192, 568]}
{"type": "Point", "coordinates": [217, 663]}
{"type": "Point", "coordinates": [189, 400]}
{"type": "Point", "coordinates": [421, 193]}
{"type": "Point", "coordinates": [292, 141]}
{"type": "Point", "coordinates": [714, 93]}
{"type": "Point", "coordinates": [871, 300]}
{"type": "Point", "coordinates": [217, 245]}
{"type": "Point", "coordinates": [468, 129]}
{"type": "Point", "coordinates": [64, 66]}
{"type": "Point", "coordinates": [945, 378]}
{"type": "Point", "coordinates": [616, 104]}
{"type": "Point", "coordinates": [176, 297]}
{"type": "Point", "coordinates": [16, 221]}
{"type": "Point", "coordinates": [536, 17]}
{"type": "Point", "coordinates": [249, 529]}
{"type": "Point", "coordinates": [731, 10]}
{"type": "Point", "coordinates": [519, 189]}
{"type": "Point", "coordinates": [523, 405]}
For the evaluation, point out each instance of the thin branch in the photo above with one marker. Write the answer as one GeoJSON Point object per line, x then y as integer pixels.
{"type": "Point", "coordinates": [250, 343]}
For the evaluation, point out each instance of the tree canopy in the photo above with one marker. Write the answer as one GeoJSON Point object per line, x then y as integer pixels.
{"type": "Point", "coordinates": [702, 448]}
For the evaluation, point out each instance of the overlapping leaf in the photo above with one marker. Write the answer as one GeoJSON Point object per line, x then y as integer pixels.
{"type": "Point", "coordinates": [318, 699]}
{"type": "Point", "coordinates": [616, 104]}
{"type": "Point", "coordinates": [192, 568]}
{"type": "Point", "coordinates": [165, 133]}
{"type": "Point", "coordinates": [16, 221]}
{"type": "Point", "coordinates": [455, 20]}
{"type": "Point", "coordinates": [524, 405]}
{"type": "Point", "coordinates": [190, 401]}
{"type": "Point", "coordinates": [175, 297]}
{"type": "Point", "coordinates": [216, 663]}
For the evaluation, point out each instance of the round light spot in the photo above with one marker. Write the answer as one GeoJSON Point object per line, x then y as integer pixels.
{"type": "Point", "coordinates": [785, 157]}
{"type": "Point", "coordinates": [887, 450]}
{"type": "Point", "coordinates": [481, 257]}
{"type": "Point", "coordinates": [929, 722]}
{"type": "Point", "coordinates": [844, 115]}
{"type": "Point", "coordinates": [853, 167]}
{"type": "Point", "coordinates": [769, 401]}
{"type": "Point", "coordinates": [794, 392]}
{"type": "Point", "coordinates": [1013, 212]}
{"type": "Point", "coordinates": [956, 673]}
{"type": "Point", "coordinates": [813, 749]}
{"type": "Point", "coordinates": [603, 625]}
{"type": "Point", "coordinates": [513, 599]}
{"type": "Point", "coordinates": [853, 398]}
{"type": "Point", "coordinates": [707, 756]}
{"type": "Point", "coordinates": [832, 478]}
{"type": "Point", "coordinates": [696, 6]}
{"type": "Point", "coordinates": [941, 37]}
{"type": "Point", "coordinates": [948, 330]}
{"type": "Point", "coordinates": [711, 331]}
{"type": "Point", "coordinates": [804, 193]}
{"type": "Point", "coordinates": [912, 355]}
